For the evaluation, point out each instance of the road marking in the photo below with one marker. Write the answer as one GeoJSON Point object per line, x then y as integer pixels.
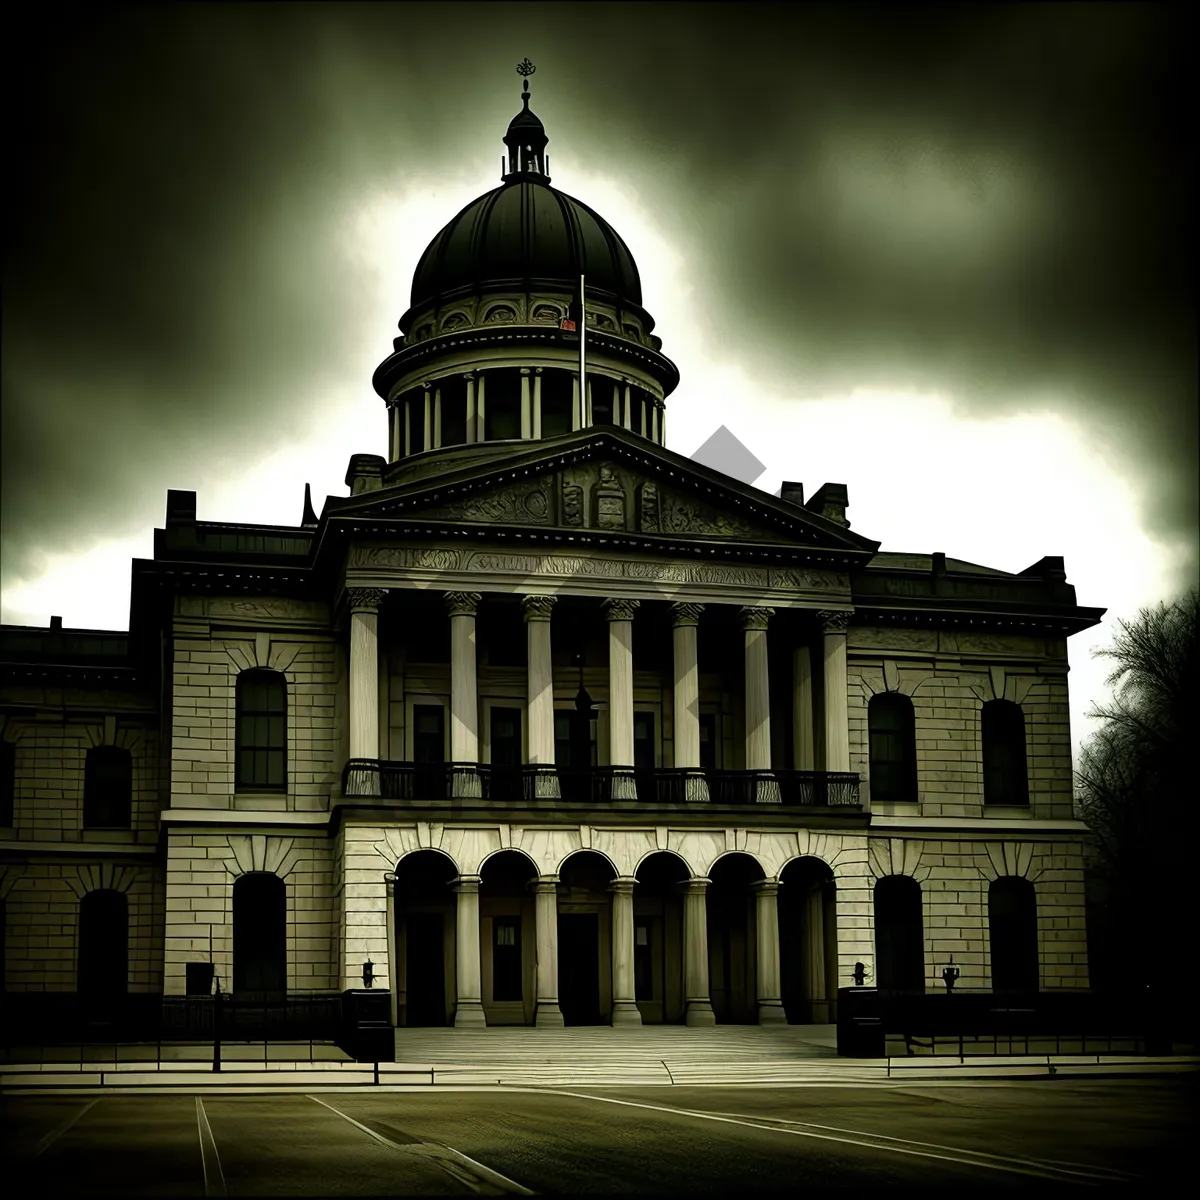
{"type": "Point", "coordinates": [456, 1164]}
{"type": "Point", "coordinates": [968, 1158]}
{"type": "Point", "coordinates": [55, 1134]}
{"type": "Point", "coordinates": [210, 1160]}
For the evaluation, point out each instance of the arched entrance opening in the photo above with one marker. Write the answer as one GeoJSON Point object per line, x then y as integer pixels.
{"type": "Point", "coordinates": [585, 939]}
{"type": "Point", "coordinates": [808, 942]}
{"type": "Point", "coordinates": [507, 938]}
{"type": "Point", "coordinates": [899, 935]}
{"type": "Point", "coordinates": [732, 955]}
{"type": "Point", "coordinates": [1013, 934]}
{"type": "Point", "coordinates": [425, 909]}
{"type": "Point", "coordinates": [658, 938]}
{"type": "Point", "coordinates": [259, 937]}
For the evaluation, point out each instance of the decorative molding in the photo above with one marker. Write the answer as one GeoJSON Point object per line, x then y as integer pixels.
{"type": "Point", "coordinates": [873, 638]}
{"type": "Point", "coordinates": [537, 608]}
{"type": "Point", "coordinates": [649, 517]}
{"type": "Point", "coordinates": [619, 609]}
{"type": "Point", "coordinates": [266, 606]}
{"type": "Point", "coordinates": [756, 617]}
{"type": "Point", "coordinates": [462, 604]}
{"type": "Point", "coordinates": [683, 613]}
{"type": "Point", "coordinates": [365, 599]}
{"type": "Point", "coordinates": [834, 622]}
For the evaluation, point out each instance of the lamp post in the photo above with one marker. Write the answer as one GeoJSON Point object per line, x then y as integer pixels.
{"type": "Point", "coordinates": [950, 976]}
{"type": "Point", "coordinates": [216, 1021]}
{"type": "Point", "coordinates": [368, 973]}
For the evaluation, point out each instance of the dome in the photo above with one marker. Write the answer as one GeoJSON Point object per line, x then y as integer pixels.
{"type": "Point", "coordinates": [526, 234]}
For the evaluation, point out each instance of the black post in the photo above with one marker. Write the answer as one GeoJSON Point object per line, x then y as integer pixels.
{"type": "Point", "coordinates": [217, 1024]}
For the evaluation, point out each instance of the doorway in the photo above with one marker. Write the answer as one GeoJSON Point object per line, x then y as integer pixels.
{"type": "Point", "coordinates": [505, 741]}
{"type": "Point", "coordinates": [425, 970]}
{"type": "Point", "coordinates": [579, 968]}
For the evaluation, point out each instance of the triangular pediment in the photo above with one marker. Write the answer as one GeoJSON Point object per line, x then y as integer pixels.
{"type": "Point", "coordinates": [601, 480]}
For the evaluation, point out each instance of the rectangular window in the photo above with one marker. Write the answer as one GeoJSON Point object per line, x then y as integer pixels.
{"type": "Point", "coordinates": [506, 959]}
{"type": "Point", "coordinates": [708, 741]}
{"type": "Point", "coordinates": [643, 741]}
{"type": "Point", "coordinates": [643, 973]}
{"type": "Point", "coordinates": [429, 751]}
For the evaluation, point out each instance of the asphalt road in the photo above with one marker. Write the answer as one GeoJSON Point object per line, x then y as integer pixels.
{"type": "Point", "coordinates": [675, 1141]}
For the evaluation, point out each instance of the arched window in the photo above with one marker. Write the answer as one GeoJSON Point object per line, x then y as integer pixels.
{"type": "Point", "coordinates": [1005, 778]}
{"type": "Point", "coordinates": [1012, 921]}
{"type": "Point", "coordinates": [893, 748]}
{"type": "Point", "coordinates": [103, 966]}
{"type": "Point", "coordinates": [259, 934]}
{"type": "Point", "coordinates": [108, 788]}
{"type": "Point", "coordinates": [899, 934]}
{"type": "Point", "coordinates": [8, 781]}
{"type": "Point", "coordinates": [261, 731]}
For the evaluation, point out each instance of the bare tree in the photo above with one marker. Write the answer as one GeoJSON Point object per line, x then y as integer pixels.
{"type": "Point", "coordinates": [1135, 788]}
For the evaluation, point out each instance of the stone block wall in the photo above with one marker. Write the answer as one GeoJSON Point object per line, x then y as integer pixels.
{"type": "Point", "coordinates": [949, 677]}
{"type": "Point", "coordinates": [201, 871]}
{"type": "Point", "coordinates": [214, 640]}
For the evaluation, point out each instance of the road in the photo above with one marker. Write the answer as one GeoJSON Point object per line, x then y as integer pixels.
{"type": "Point", "coordinates": [674, 1141]}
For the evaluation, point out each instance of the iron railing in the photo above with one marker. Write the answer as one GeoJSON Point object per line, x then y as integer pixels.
{"type": "Point", "coordinates": [528, 784]}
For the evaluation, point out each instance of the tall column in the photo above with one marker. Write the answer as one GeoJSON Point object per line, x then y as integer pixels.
{"type": "Point", "coordinates": [687, 699]}
{"type": "Point", "coordinates": [770, 994]}
{"type": "Point", "coordinates": [619, 614]}
{"type": "Point", "coordinates": [837, 726]}
{"type": "Point", "coordinates": [627, 411]}
{"type": "Point", "coordinates": [802, 710]}
{"type": "Point", "coordinates": [624, 1009]}
{"type": "Point", "coordinates": [393, 431]}
{"type": "Point", "coordinates": [526, 405]}
{"type": "Point", "coordinates": [576, 404]}
{"type": "Point", "coordinates": [437, 417]}
{"type": "Point", "coordinates": [815, 990]}
{"type": "Point", "coordinates": [427, 443]}
{"type": "Point", "coordinates": [589, 417]}
{"type": "Point", "coordinates": [546, 923]}
{"type": "Point", "coordinates": [408, 419]}
{"type": "Point", "coordinates": [758, 704]}
{"type": "Point", "coordinates": [541, 694]}
{"type": "Point", "coordinates": [469, 376]}
{"type": "Point", "coordinates": [364, 689]}
{"type": "Point", "coordinates": [480, 402]}
{"type": "Point", "coordinates": [644, 407]}
{"type": "Point", "coordinates": [695, 953]}
{"type": "Point", "coordinates": [468, 1012]}
{"type": "Point", "coordinates": [464, 695]}
{"type": "Point", "coordinates": [537, 404]}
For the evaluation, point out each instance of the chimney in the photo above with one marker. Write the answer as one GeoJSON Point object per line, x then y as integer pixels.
{"type": "Point", "coordinates": [56, 624]}
{"type": "Point", "coordinates": [365, 473]}
{"type": "Point", "coordinates": [793, 493]}
{"type": "Point", "coordinates": [830, 501]}
{"type": "Point", "coordinates": [181, 508]}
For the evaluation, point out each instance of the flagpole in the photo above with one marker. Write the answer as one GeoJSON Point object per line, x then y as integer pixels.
{"type": "Point", "coordinates": [583, 404]}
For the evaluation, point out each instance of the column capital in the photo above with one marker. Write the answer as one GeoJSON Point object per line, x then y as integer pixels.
{"type": "Point", "coordinates": [756, 618]}
{"type": "Point", "coordinates": [697, 886]}
{"type": "Point", "coordinates": [462, 604]}
{"type": "Point", "coordinates": [466, 883]}
{"type": "Point", "coordinates": [365, 599]}
{"type": "Point", "coordinates": [834, 622]}
{"type": "Point", "coordinates": [683, 613]}
{"type": "Point", "coordinates": [538, 608]}
{"type": "Point", "coordinates": [544, 884]}
{"type": "Point", "coordinates": [526, 371]}
{"type": "Point", "coordinates": [469, 376]}
{"type": "Point", "coordinates": [537, 370]}
{"type": "Point", "coordinates": [623, 885]}
{"type": "Point", "coordinates": [619, 609]}
{"type": "Point", "coordinates": [766, 887]}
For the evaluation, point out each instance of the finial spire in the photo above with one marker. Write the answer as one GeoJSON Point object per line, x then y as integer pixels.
{"type": "Point", "coordinates": [526, 137]}
{"type": "Point", "coordinates": [525, 68]}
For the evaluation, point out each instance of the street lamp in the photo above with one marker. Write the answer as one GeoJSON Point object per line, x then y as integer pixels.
{"type": "Point", "coordinates": [368, 973]}
{"type": "Point", "coordinates": [950, 976]}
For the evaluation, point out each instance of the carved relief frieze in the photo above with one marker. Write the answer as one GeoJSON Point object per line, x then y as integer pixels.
{"type": "Point", "coordinates": [572, 502]}
{"type": "Point", "coordinates": [870, 638]}
{"type": "Point", "coordinates": [408, 557]}
{"type": "Point", "coordinates": [610, 500]}
{"type": "Point", "coordinates": [649, 520]}
{"type": "Point", "coordinates": [526, 504]}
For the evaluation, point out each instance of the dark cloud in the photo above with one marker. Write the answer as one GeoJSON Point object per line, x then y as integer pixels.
{"type": "Point", "coordinates": [991, 202]}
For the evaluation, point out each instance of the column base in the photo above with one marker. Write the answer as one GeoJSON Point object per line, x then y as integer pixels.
{"type": "Point", "coordinates": [470, 1015]}
{"type": "Point", "coordinates": [545, 785]}
{"type": "Point", "coordinates": [770, 1012]}
{"type": "Point", "coordinates": [624, 786]}
{"type": "Point", "coordinates": [363, 779]}
{"type": "Point", "coordinates": [548, 1015]}
{"type": "Point", "coordinates": [700, 1013]}
{"type": "Point", "coordinates": [626, 1012]}
{"type": "Point", "coordinates": [766, 791]}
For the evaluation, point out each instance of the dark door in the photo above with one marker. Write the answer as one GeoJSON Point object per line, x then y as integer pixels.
{"type": "Point", "coordinates": [579, 968]}
{"type": "Point", "coordinates": [506, 754]}
{"type": "Point", "coordinates": [643, 754]}
{"type": "Point", "coordinates": [425, 970]}
{"type": "Point", "coordinates": [575, 752]}
{"type": "Point", "coordinates": [643, 963]}
{"type": "Point", "coordinates": [429, 751]}
{"type": "Point", "coordinates": [708, 741]}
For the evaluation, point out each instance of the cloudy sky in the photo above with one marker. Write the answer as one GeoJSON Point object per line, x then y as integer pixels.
{"type": "Point", "coordinates": [942, 256]}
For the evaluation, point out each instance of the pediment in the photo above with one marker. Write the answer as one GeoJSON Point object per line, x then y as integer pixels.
{"type": "Point", "coordinates": [607, 481]}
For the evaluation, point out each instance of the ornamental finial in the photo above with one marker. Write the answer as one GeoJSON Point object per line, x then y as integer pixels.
{"type": "Point", "coordinates": [525, 68]}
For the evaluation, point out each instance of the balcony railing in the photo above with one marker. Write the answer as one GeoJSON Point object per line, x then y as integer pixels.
{"type": "Point", "coordinates": [541, 786]}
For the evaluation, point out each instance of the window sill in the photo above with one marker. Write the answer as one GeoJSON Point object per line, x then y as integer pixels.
{"type": "Point", "coordinates": [102, 833]}
{"type": "Point", "coordinates": [1008, 812]}
{"type": "Point", "coordinates": [895, 808]}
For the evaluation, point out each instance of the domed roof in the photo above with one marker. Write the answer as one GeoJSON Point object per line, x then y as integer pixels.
{"type": "Point", "coordinates": [526, 234]}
